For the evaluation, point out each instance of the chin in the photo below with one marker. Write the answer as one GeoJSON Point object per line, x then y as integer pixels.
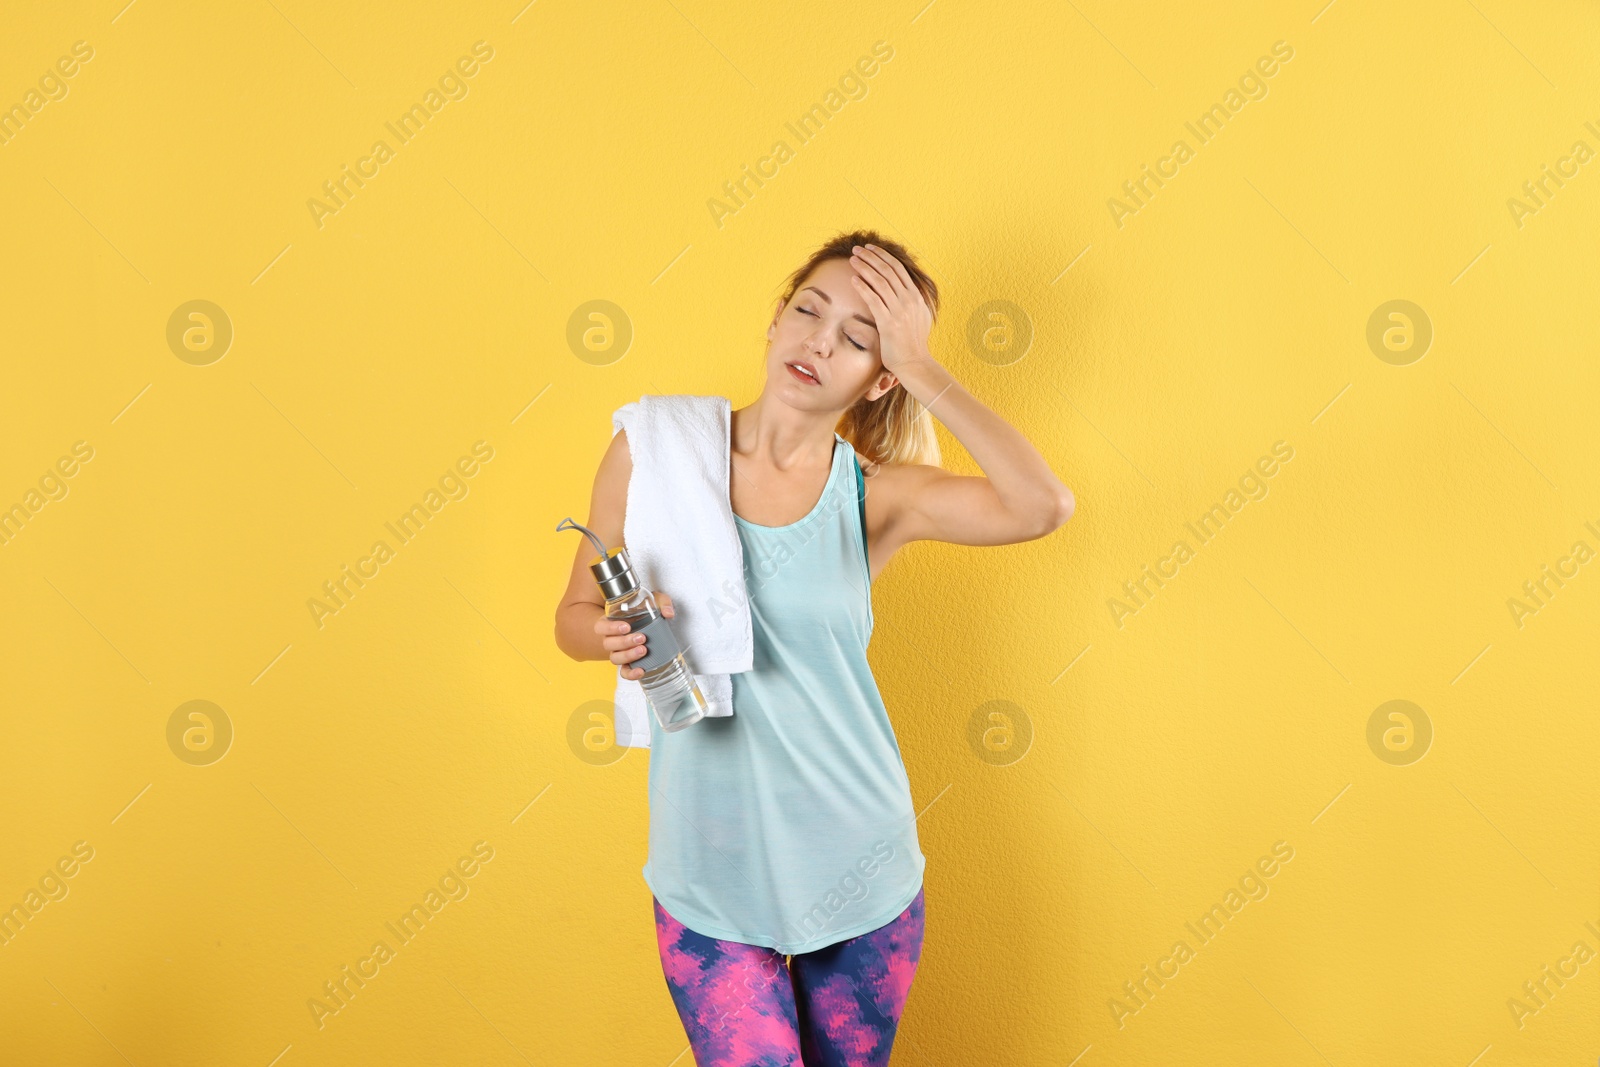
{"type": "Point", "coordinates": [815, 399]}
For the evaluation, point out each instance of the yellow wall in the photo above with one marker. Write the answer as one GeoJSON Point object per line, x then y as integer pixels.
{"type": "Point", "coordinates": [1156, 754]}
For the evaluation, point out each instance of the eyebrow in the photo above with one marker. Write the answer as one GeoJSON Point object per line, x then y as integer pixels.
{"type": "Point", "coordinates": [829, 299]}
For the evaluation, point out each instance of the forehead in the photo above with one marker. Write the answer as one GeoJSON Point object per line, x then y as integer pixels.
{"type": "Point", "coordinates": [832, 277]}
{"type": "Point", "coordinates": [833, 273]}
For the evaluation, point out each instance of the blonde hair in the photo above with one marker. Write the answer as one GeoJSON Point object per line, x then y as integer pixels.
{"type": "Point", "coordinates": [895, 428]}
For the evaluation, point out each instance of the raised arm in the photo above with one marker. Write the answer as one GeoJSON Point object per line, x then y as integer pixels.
{"type": "Point", "coordinates": [582, 606]}
{"type": "Point", "coordinates": [1019, 498]}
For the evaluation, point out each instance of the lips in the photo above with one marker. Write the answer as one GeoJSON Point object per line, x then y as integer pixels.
{"type": "Point", "coordinates": [802, 375]}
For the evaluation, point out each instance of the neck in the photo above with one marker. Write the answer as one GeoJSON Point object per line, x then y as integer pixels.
{"type": "Point", "coordinates": [783, 436]}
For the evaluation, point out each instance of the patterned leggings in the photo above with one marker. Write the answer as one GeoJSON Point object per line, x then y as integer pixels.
{"type": "Point", "coordinates": [836, 1007]}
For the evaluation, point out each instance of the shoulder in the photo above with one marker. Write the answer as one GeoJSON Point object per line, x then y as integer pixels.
{"type": "Point", "coordinates": [892, 493]}
{"type": "Point", "coordinates": [894, 486]}
{"type": "Point", "coordinates": [618, 446]}
{"type": "Point", "coordinates": [616, 466]}
{"type": "Point", "coordinates": [899, 475]}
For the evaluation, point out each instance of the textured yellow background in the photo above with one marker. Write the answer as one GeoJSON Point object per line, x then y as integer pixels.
{"type": "Point", "coordinates": [1154, 756]}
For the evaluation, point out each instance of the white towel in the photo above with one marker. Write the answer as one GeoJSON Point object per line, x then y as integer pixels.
{"type": "Point", "coordinates": [681, 539]}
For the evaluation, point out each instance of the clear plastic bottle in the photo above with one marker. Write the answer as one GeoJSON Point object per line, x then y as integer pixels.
{"type": "Point", "coordinates": [669, 686]}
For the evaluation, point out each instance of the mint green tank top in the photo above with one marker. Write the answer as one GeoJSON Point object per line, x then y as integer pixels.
{"type": "Point", "coordinates": [790, 823]}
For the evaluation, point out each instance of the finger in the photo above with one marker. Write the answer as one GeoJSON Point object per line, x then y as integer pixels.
{"type": "Point", "coordinates": [875, 303]}
{"type": "Point", "coordinates": [880, 263]}
{"type": "Point", "coordinates": [868, 267]}
{"type": "Point", "coordinates": [665, 602]}
{"type": "Point", "coordinates": [619, 642]}
{"type": "Point", "coordinates": [895, 265]}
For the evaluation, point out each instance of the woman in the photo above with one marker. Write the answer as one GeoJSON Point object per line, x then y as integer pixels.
{"type": "Point", "coordinates": [784, 863]}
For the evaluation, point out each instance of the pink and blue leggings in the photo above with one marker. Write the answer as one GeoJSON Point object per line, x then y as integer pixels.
{"type": "Point", "coordinates": [836, 1007]}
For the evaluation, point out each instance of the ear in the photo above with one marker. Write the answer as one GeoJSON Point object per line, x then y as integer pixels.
{"type": "Point", "coordinates": [777, 314]}
{"type": "Point", "coordinates": [881, 385]}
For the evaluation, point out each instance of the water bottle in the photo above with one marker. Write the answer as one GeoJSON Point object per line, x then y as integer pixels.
{"type": "Point", "coordinates": [669, 686]}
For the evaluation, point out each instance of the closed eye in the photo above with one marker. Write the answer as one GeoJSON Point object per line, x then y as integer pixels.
{"type": "Point", "coordinates": [847, 337]}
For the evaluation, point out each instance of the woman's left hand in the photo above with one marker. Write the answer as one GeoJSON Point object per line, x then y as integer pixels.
{"type": "Point", "coordinates": [897, 306]}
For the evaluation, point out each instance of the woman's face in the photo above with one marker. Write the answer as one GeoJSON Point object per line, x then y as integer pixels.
{"type": "Point", "coordinates": [827, 326]}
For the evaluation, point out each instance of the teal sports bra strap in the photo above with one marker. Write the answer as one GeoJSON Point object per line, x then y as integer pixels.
{"type": "Point", "coordinates": [861, 504]}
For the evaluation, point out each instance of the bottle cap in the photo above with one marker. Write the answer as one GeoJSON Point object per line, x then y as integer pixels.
{"type": "Point", "coordinates": [615, 574]}
{"type": "Point", "coordinates": [611, 568]}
